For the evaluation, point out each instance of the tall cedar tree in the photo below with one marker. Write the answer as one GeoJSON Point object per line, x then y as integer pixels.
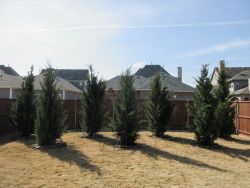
{"type": "Point", "coordinates": [159, 108]}
{"type": "Point", "coordinates": [93, 117]}
{"type": "Point", "coordinates": [224, 113]}
{"type": "Point", "coordinates": [23, 116]}
{"type": "Point", "coordinates": [125, 119]}
{"type": "Point", "coordinates": [50, 120]}
{"type": "Point", "coordinates": [202, 110]}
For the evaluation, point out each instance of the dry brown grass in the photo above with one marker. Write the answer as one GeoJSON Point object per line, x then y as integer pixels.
{"type": "Point", "coordinates": [171, 162]}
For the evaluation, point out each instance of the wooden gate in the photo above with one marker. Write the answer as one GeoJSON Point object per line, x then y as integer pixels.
{"type": "Point", "coordinates": [242, 118]}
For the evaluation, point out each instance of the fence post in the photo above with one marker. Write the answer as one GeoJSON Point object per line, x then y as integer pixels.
{"type": "Point", "coordinates": [237, 117]}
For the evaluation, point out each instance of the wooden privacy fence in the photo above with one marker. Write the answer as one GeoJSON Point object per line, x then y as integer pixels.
{"type": "Point", "coordinates": [242, 118]}
{"type": "Point", "coordinates": [179, 118]}
{"type": "Point", "coordinates": [72, 108]}
{"type": "Point", "coordinates": [5, 107]}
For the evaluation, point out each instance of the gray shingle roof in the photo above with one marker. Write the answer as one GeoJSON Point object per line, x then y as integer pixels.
{"type": "Point", "coordinates": [60, 83]}
{"type": "Point", "coordinates": [143, 83]}
{"type": "Point", "coordinates": [172, 83]}
{"type": "Point", "coordinates": [9, 81]}
{"type": "Point", "coordinates": [244, 75]}
{"type": "Point", "coordinates": [150, 70]}
{"type": "Point", "coordinates": [114, 82]}
{"type": "Point", "coordinates": [232, 71]}
{"type": "Point", "coordinates": [72, 74]}
{"type": "Point", "coordinates": [8, 70]}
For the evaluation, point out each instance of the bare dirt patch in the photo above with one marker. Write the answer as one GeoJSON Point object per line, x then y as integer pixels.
{"type": "Point", "coordinates": [174, 161]}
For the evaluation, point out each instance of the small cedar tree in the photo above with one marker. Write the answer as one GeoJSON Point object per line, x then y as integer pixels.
{"type": "Point", "coordinates": [224, 112]}
{"type": "Point", "coordinates": [50, 120]}
{"type": "Point", "coordinates": [125, 121]}
{"type": "Point", "coordinates": [202, 110]}
{"type": "Point", "coordinates": [23, 110]}
{"type": "Point", "coordinates": [159, 108]}
{"type": "Point", "coordinates": [93, 115]}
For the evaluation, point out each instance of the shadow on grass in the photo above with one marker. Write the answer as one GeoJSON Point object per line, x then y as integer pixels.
{"type": "Point", "coordinates": [154, 152]}
{"type": "Point", "coordinates": [242, 154]}
{"type": "Point", "coordinates": [67, 154]}
{"type": "Point", "coordinates": [239, 141]}
{"type": "Point", "coordinates": [6, 138]}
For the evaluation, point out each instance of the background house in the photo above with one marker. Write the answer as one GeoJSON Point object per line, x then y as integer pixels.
{"type": "Point", "coordinates": [143, 78]}
{"type": "Point", "coordinates": [180, 92]}
{"type": "Point", "coordinates": [77, 77]}
{"type": "Point", "coordinates": [10, 86]}
{"type": "Point", "coordinates": [238, 80]}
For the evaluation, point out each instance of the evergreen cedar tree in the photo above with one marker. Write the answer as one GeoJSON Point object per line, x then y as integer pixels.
{"type": "Point", "coordinates": [22, 112]}
{"type": "Point", "coordinates": [159, 108]}
{"type": "Point", "coordinates": [224, 113]}
{"type": "Point", "coordinates": [50, 120]}
{"type": "Point", "coordinates": [202, 110]}
{"type": "Point", "coordinates": [125, 120]}
{"type": "Point", "coordinates": [93, 117]}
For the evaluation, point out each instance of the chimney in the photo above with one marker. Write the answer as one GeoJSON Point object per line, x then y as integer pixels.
{"type": "Point", "coordinates": [179, 72]}
{"type": "Point", "coordinates": [222, 64]}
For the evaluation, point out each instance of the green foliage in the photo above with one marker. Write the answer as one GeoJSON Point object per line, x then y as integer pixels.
{"type": "Point", "coordinates": [22, 112]}
{"type": "Point", "coordinates": [202, 110]}
{"type": "Point", "coordinates": [93, 117]}
{"type": "Point", "coordinates": [224, 113]}
{"type": "Point", "coordinates": [159, 108]}
{"type": "Point", "coordinates": [224, 119]}
{"type": "Point", "coordinates": [125, 119]}
{"type": "Point", "coordinates": [221, 92]}
{"type": "Point", "coordinates": [50, 120]}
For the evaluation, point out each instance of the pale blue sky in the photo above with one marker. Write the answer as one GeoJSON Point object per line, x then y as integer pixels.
{"type": "Point", "coordinates": [114, 35]}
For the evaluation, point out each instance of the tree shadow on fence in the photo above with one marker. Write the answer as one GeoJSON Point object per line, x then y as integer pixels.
{"type": "Point", "coordinates": [67, 154]}
{"type": "Point", "coordinates": [155, 152]}
{"type": "Point", "coordinates": [242, 154]}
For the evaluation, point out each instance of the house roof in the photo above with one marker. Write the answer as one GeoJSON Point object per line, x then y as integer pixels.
{"type": "Point", "coordinates": [244, 75]}
{"type": "Point", "coordinates": [144, 83]}
{"type": "Point", "coordinates": [243, 91]}
{"type": "Point", "coordinates": [113, 83]}
{"type": "Point", "coordinates": [72, 74]}
{"type": "Point", "coordinates": [231, 71]}
{"type": "Point", "coordinates": [9, 81]}
{"type": "Point", "coordinates": [150, 70]}
{"type": "Point", "coordinates": [8, 70]}
{"type": "Point", "coordinates": [60, 83]}
{"type": "Point", "coordinates": [172, 83]}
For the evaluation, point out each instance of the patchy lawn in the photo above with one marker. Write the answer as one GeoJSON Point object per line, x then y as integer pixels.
{"type": "Point", "coordinates": [174, 161]}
